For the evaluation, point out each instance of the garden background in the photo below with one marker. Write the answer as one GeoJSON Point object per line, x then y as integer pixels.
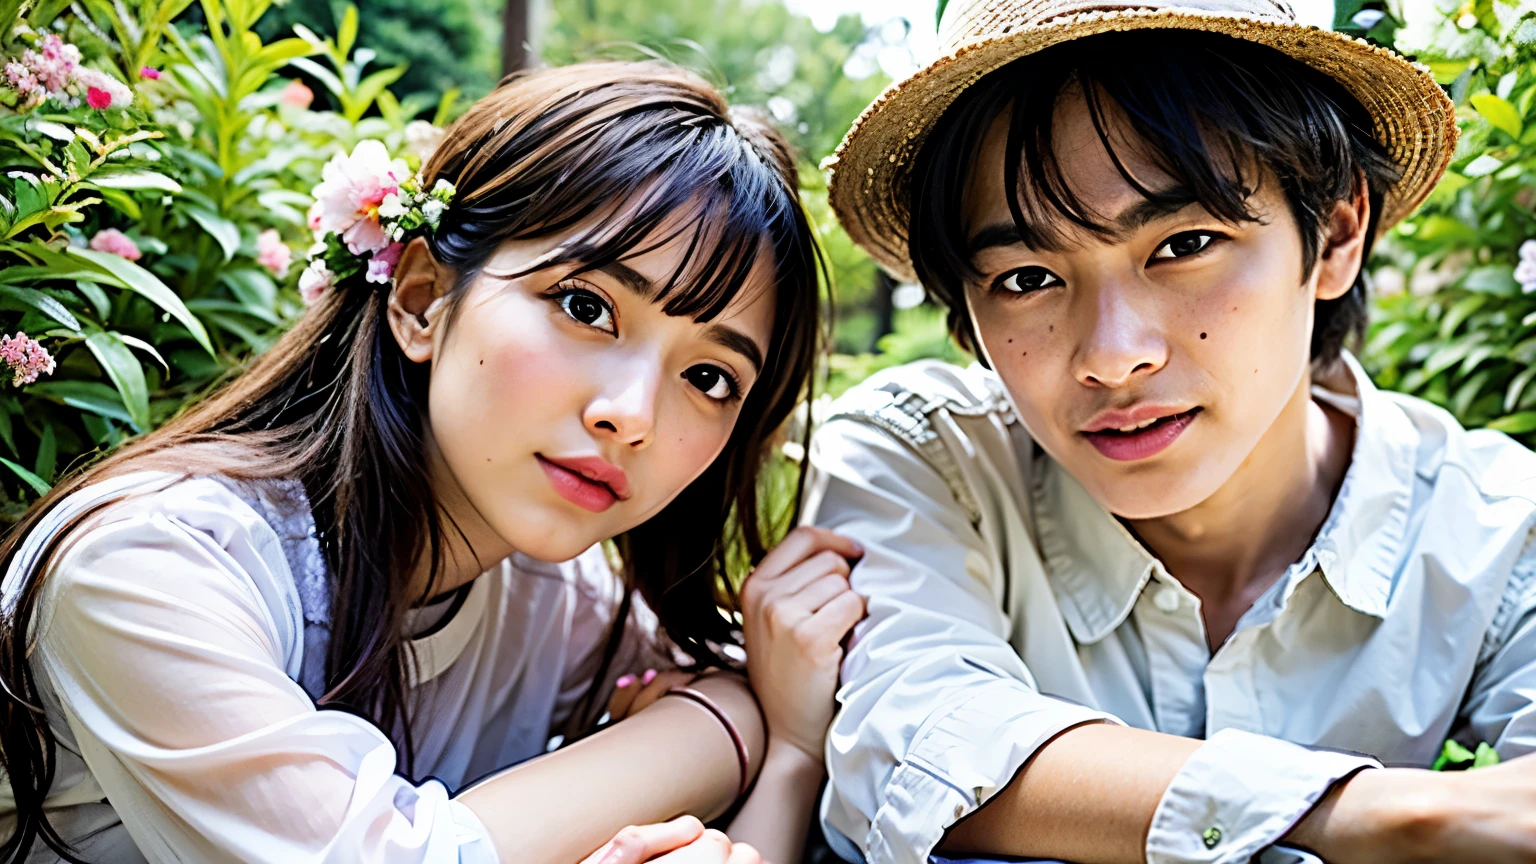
{"type": "Point", "coordinates": [156, 158]}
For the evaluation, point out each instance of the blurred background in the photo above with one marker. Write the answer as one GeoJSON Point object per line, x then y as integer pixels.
{"type": "Point", "coordinates": [152, 200]}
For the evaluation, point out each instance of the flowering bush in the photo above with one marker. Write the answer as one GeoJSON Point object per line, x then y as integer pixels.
{"type": "Point", "coordinates": [1455, 313]}
{"type": "Point", "coordinates": [154, 182]}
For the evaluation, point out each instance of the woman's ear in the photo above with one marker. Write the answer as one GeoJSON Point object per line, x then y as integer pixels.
{"type": "Point", "coordinates": [1343, 251]}
{"type": "Point", "coordinates": [415, 301]}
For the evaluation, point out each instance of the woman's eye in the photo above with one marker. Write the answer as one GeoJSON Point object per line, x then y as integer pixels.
{"type": "Point", "coordinates": [1184, 245]}
{"type": "Point", "coordinates": [587, 308]}
{"type": "Point", "coordinates": [712, 381]}
{"type": "Point", "coordinates": [1025, 280]}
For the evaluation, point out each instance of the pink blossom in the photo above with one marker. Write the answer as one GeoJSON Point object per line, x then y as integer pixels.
{"type": "Point", "coordinates": [20, 78]}
{"type": "Point", "coordinates": [382, 265]}
{"type": "Point", "coordinates": [26, 357]}
{"type": "Point", "coordinates": [315, 281]}
{"type": "Point", "coordinates": [150, 73]}
{"type": "Point", "coordinates": [297, 95]}
{"type": "Point", "coordinates": [272, 253]}
{"type": "Point", "coordinates": [350, 192]}
{"type": "Point", "coordinates": [115, 242]}
{"type": "Point", "coordinates": [114, 93]}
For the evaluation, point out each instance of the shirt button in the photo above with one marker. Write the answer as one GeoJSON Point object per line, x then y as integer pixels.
{"type": "Point", "coordinates": [1211, 837]}
{"type": "Point", "coordinates": [1167, 599]}
{"type": "Point", "coordinates": [959, 810]}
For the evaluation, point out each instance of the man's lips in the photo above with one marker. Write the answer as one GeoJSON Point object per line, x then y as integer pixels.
{"type": "Point", "coordinates": [588, 482]}
{"type": "Point", "coordinates": [1138, 433]}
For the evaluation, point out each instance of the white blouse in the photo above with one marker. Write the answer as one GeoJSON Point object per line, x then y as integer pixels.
{"type": "Point", "coordinates": [170, 644]}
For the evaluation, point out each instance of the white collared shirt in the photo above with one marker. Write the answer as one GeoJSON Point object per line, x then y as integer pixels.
{"type": "Point", "coordinates": [1006, 605]}
{"type": "Point", "coordinates": [178, 647]}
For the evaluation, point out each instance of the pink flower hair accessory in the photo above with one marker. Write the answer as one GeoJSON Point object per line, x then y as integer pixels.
{"type": "Point", "coordinates": [365, 207]}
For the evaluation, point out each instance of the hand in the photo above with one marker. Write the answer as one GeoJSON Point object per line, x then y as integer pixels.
{"type": "Point", "coordinates": [681, 841]}
{"type": "Point", "coordinates": [796, 609]}
{"type": "Point", "coordinates": [633, 694]}
{"type": "Point", "coordinates": [1487, 816]}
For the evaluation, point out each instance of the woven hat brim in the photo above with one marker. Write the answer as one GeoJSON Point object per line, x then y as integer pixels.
{"type": "Point", "coordinates": [869, 174]}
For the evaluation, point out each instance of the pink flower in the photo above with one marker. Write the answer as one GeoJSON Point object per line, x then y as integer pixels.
{"type": "Point", "coordinates": [26, 357]}
{"type": "Point", "coordinates": [350, 192]}
{"type": "Point", "coordinates": [272, 253]}
{"type": "Point", "coordinates": [315, 281]}
{"type": "Point", "coordinates": [297, 95]}
{"type": "Point", "coordinates": [20, 78]}
{"type": "Point", "coordinates": [382, 266]}
{"type": "Point", "coordinates": [113, 93]}
{"type": "Point", "coordinates": [115, 242]}
{"type": "Point", "coordinates": [150, 73]}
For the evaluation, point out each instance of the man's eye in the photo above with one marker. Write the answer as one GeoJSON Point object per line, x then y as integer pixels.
{"type": "Point", "coordinates": [587, 308]}
{"type": "Point", "coordinates": [1025, 280]}
{"type": "Point", "coordinates": [712, 381]}
{"type": "Point", "coordinates": [1184, 245]}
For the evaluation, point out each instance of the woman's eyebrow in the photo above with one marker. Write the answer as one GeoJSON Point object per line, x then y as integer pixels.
{"type": "Point", "coordinates": [630, 278]}
{"type": "Point", "coordinates": [737, 341]}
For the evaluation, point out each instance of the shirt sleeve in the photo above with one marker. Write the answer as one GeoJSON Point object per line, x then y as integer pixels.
{"type": "Point", "coordinates": [164, 642]}
{"type": "Point", "coordinates": [597, 594]}
{"type": "Point", "coordinates": [1501, 703]}
{"type": "Point", "coordinates": [937, 711]}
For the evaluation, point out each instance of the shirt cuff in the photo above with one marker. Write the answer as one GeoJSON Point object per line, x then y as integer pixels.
{"type": "Point", "coordinates": [1240, 793]}
{"type": "Point", "coordinates": [474, 841]}
{"type": "Point", "coordinates": [959, 761]}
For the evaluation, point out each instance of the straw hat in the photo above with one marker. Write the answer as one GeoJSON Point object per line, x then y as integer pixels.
{"type": "Point", "coordinates": [871, 171]}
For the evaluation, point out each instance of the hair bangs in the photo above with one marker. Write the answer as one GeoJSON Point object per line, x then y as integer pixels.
{"type": "Point", "coordinates": [646, 186]}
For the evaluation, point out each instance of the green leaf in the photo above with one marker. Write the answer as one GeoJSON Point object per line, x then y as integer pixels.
{"type": "Point", "coordinates": [1482, 166]}
{"type": "Point", "coordinates": [126, 374]}
{"type": "Point", "coordinates": [42, 303]}
{"type": "Point", "coordinates": [1517, 387]}
{"type": "Point", "coordinates": [36, 482]}
{"type": "Point", "coordinates": [6, 434]}
{"type": "Point", "coordinates": [141, 180]}
{"type": "Point", "coordinates": [1451, 754]}
{"type": "Point", "coordinates": [1492, 279]}
{"type": "Point", "coordinates": [148, 285]}
{"type": "Point", "coordinates": [346, 34]}
{"type": "Point", "coordinates": [1515, 424]}
{"type": "Point", "coordinates": [47, 453]}
{"type": "Point", "coordinates": [1485, 756]}
{"type": "Point", "coordinates": [1459, 313]}
{"type": "Point", "coordinates": [92, 396]}
{"type": "Point", "coordinates": [222, 229]}
{"type": "Point", "coordinates": [1498, 112]}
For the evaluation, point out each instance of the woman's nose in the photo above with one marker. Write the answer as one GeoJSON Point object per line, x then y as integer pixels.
{"type": "Point", "coordinates": [625, 407]}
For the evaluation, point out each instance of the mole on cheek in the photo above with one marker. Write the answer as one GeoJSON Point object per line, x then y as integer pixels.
{"type": "Point", "coordinates": [1202, 335]}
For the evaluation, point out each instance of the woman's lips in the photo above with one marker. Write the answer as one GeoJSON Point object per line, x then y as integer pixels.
{"type": "Point", "coordinates": [573, 487]}
{"type": "Point", "coordinates": [1143, 443]}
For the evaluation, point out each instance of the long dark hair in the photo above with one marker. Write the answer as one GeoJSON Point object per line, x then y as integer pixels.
{"type": "Point", "coordinates": [336, 405]}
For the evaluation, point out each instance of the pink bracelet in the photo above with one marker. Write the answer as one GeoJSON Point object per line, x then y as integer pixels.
{"type": "Point", "coordinates": [709, 705]}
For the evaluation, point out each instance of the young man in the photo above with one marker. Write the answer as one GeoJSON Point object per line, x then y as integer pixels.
{"type": "Point", "coordinates": [1167, 579]}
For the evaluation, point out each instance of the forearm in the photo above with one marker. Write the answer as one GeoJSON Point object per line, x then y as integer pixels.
{"type": "Point", "coordinates": [1087, 796]}
{"type": "Point", "coordinates": [775, 817]}
{"type": "Point", "coordinates": [558, 808]}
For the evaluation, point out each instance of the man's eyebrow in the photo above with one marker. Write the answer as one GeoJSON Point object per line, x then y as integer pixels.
{"type": "Point", "coordinates": [737, 341]}
{"type": "Point", "coordinates": [1136, 216]}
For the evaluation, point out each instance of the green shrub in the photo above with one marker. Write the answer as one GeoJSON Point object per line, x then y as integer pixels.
{"type": "Point", "coordinates": [143, 242]}
{"type": "Point", "coordinates": [1452, 321]}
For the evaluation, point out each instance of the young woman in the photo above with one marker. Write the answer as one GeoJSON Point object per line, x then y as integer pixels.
{"type": "Point", "coordinates": [296, 621]}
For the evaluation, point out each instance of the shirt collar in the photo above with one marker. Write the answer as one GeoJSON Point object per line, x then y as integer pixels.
{"type": "Point", "coordinates": [1098, 569]}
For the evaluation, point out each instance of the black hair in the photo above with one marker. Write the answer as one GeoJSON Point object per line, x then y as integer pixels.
{"type": "Point", "coordinates": [1214, 113]}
